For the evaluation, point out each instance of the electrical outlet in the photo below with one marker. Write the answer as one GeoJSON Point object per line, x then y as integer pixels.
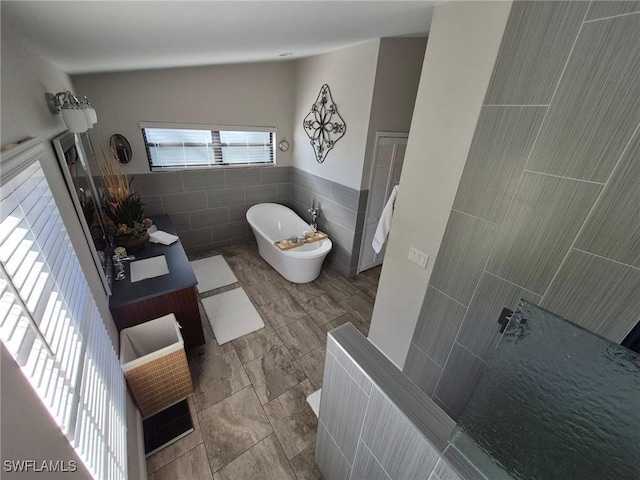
{"type": "Point", "coordinates": [418, 257]}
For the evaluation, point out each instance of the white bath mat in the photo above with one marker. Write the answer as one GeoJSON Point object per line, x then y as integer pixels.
{"type": "Point", "coordinates": [314, 401]}
{"type": "Point", "coordinates": [231, 315]}
{"type": "Point", "coordinates": [212, 272]}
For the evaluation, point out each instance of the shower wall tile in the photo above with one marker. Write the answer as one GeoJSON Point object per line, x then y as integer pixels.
{"type": "Point", "coordinates": [500, 147]}
{"type": "Point", "coordinates": [596, 293]}
{"type": "Point", "coordinates": [611, 8]}
{"type": "Point", "coordinates": [342, 407]}
{"type": "Point", "coordinates": [225, 197]}
{"type": "Point", "coordinates": [422, 371]}
{"type": "Point", "coordinates": [597, 106]}
{"type": "Point", "coordinates": [329, 458]}
{"type": "Point", "coordinates": [275, 175]}
{"type": "Point", "coordinates": [613, 228]}
{"type": "Point", "coordinates": [260, 194]}
{"type": "Point", "coordinates": [156, 183]}
{"type": "Point", "coordinates": [207, 179]}
{"type": "Point", "coordinates": [459, 379]}
{"type": "Point", "coordinates": [366, 466]}
{"type": "Point", "coordinates": [535, 46]}
{"type": "Point", "coordinates": [444, 471]}
{"type": "Point", "coordinates": [536, 233]}
{"type": "Point", "coordinates": [438, 324]}
{"type": "Point", "coordinates": [480, 331]}
{"type": "Point", "coordinates": [349, 365]}
{"type": "Point", "coordinates": [240, 177]}
{"type": "Point", "coordinates": [184, 202]}
{"type": "Point", "coordinates": [210, 217]}
{"type": "Point", "coordinates": [463, 253]}
{"type": "Point", "coordinates": [401, 450]}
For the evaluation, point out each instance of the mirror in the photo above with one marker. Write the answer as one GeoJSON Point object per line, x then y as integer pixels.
{"type": "Point", "coordinates": [120, 145]}
{"type": "Point", "coordinates": [74, 151]}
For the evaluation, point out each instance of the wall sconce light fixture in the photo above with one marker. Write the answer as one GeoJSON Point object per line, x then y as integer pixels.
{"type": "Point", "coordinates": [77, 112]}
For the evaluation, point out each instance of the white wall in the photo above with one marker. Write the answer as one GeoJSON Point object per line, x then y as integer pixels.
{"type": "Point", "coordinates": [350, 74]}
{"type": "Point", "coordinates": [27, 429]}
{"type": "Point", "coordinates": [394, 93]}
{"type": "Point", "coordinates": [462, 48]}
{"type": "Point", "coordinates": [258, 94]}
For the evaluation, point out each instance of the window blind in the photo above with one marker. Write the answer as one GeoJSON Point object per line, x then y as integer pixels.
{"type": "Point", "coordinates": [193, 146]}
{"type": "Point", "coordinates": [51, 325]}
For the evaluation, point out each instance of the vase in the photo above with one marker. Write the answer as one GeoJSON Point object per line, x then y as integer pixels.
{"type": "Point", "coordinates": [132, 242]}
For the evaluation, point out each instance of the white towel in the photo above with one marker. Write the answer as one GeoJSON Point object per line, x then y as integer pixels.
{"type": "Point", "coordinates": [385, 222]}
{"type": "Point", "coordinates": [162, 237]}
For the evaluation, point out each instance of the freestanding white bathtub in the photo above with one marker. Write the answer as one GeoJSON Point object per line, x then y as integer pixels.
{"type": "Point", "coordinates": [271, 222]}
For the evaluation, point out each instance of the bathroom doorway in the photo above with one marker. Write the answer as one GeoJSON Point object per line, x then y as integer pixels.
{"type": "Point", "coordinates": [388, 158]}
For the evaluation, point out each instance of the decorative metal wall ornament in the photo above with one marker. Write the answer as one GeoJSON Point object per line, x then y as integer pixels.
{"type": "Point", "coordinates": [323, 124]}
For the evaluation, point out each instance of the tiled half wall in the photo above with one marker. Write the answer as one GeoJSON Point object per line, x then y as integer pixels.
{"type": "Point", "coordinates": [342, 212]}
{"type": "Point", "coordinates": [208, 207]}
{"type": "Point", "coordinates": [547, 207]}
{"type": "Point", "coordinates": [375, 424]}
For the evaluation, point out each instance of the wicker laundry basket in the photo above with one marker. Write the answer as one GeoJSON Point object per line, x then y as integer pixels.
{"type": "Point", "coordinates": [155, 364]}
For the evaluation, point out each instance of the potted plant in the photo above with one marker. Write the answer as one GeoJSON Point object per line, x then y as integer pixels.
{"type": "Point", "coordinates": [122, 205]}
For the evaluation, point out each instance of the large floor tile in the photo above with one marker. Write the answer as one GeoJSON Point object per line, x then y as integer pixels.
{"type": "Point", "coordinates": [283, 311]}
{"type": "Point", "coordinates": [367, 281]}
{"type": "Point", "coordinates": [232, 426]}
{"type": "Point", "coordinates": [313, 365]}
{"type": "Point", "coordinates": [193, 464]}
{"type": "Point", "coordinates": [323, 309]}
{"type": "Point", "coordinates": [335, 284]}
{"type": "Point", "coordinates": [274, 373]}
{"type": "Point", "coordinates": [304, 464]}
{"type": "Point", "coordinates": [302, 336]}
{"type": "Point", "coordinates": [215, 378]}
{"type": "Point", "coordinates": [293, 420]}
{"type": "Point", "coordinates": [303, 292]}
{"type": "Point", "coordinates": [256, 344]}
{"type": "Point", "coordinates": [266, 291]}
{"type": "Point", "coordinates": [176, 449]}
{"type": "Point", "coordinates": [360, 306]}
{"type": "Point", "coordinates": [264, 461]}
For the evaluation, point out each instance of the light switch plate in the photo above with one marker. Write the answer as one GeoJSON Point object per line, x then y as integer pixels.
{"type": "Point", "coordinates": [418, 257]}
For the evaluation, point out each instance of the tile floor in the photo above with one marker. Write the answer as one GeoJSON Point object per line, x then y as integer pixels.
{"type": "Point", "coordinates": [251, 419]}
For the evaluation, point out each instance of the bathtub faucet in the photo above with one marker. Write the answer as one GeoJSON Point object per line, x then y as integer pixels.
{"type": "Point", "coordinates": [314, 211]}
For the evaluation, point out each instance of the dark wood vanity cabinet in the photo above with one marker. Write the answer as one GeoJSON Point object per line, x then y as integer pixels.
{"type": "Point", "coordinates": [175, 292]}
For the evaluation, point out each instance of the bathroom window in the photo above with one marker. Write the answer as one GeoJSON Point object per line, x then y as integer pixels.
{"type": "Point", "coordinates": [171, 146]}
{"type": "Point", "coordinates": [50, 323]}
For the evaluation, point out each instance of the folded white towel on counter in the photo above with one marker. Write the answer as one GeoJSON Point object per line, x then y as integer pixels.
{"type": "Point", "coordinates": [162, 237]}
{"type": "Point", "coordinates": [385, 222]}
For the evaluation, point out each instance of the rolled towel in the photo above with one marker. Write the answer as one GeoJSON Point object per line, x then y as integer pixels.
{"type": "Point", "coordinates": [384, 224]}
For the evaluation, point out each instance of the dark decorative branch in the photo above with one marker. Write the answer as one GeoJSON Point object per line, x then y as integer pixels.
{"type": "Point", "coordinates": [323, 124]}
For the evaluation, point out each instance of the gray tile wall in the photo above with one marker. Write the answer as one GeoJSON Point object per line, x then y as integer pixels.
{"type": "Point", "coordinates": [547, 208]}
{"type": "Point", "coordinates": [367, 434]}
{"type": "Point", "coordinates": [342, 211]}
{"type": "Point", "coordinates": [208, 206]}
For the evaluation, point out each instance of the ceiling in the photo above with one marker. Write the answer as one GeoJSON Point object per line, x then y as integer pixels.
{"type": "Point", "coordinates": [102, 36]}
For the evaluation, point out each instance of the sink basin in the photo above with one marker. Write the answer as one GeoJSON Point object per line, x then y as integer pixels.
{"type": "Point", "coordinates": [149, 268]}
